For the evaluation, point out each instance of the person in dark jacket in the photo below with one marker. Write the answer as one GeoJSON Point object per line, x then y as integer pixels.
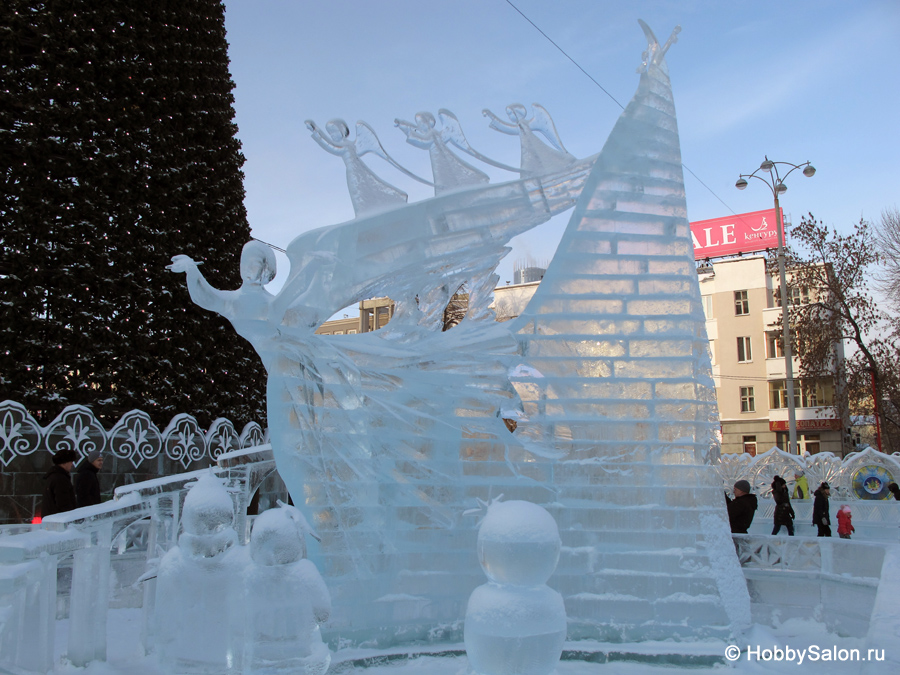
{"type": "Point", "coordinates": [59, 496]}
{"type": "Point", "coordinates": [895, 490]}
{"type": "Point", "coordinates": [742, 508]}
{"type": "Point", "coordinates": [821, 517]}
{"type": "Point", "coordinates": [784, 512]}
{"type": "Point", "coordinates": [87, 485]}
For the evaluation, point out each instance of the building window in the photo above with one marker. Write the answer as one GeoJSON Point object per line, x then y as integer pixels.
{"type": "Point", "coordinates": [778, 395]}
{"type": "Point", "coordinates": [798, 296]}
{"type": "Point", "coordinates": [352, 331]}
{"type": "Point", "coordinates": [741, 303]}
{"type": "Point", "coordinates": [748, 401]}
{"type": "Point", "coordinates": [743, 346]}
{"type": "Point", "coordinates": [750, 445]}
{"type": "Point", "coordinates": [774, 346]}
{"type": "Point", "coordinates": [707, 306]}
{"type": "Point", "coordinates": [811, 443]}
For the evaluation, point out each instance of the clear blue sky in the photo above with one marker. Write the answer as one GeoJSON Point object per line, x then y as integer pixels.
{"type": "Point", "coordinates": [798, 80]}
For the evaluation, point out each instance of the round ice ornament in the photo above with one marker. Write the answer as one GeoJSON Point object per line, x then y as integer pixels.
{"type": "Point", "coordinates": [515, 623]}
{"type": "Point", "coordinates": [518, 543]}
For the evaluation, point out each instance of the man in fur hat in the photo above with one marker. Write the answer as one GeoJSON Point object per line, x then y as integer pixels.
{"type": "Point", "coordinates": [59, 496]}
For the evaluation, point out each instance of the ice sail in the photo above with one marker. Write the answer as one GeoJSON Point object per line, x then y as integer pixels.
{"type": "Point", "coordinates": [619, 385]}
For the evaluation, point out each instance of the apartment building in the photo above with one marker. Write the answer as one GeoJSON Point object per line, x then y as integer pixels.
{"type": "Point", "coordinates": [741, 304]}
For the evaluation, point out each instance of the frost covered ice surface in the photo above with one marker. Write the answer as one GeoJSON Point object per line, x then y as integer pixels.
{"type": "Point", "coordinates": [515, 624]}
{"type": "Point", "coordinates": [386, 437]}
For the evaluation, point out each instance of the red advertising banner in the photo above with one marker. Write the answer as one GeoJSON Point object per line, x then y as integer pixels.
{"type": "Point", "coordinates": [818, 424]}
{"type": "Point", "coordinates": [743, 233]}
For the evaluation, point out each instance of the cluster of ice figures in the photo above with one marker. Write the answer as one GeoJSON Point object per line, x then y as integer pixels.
{"type": "Point", "coordinates": [225, 608]}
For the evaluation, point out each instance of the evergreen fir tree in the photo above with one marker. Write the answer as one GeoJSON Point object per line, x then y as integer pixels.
{"type": "Point", "coordinates": [119, 151]}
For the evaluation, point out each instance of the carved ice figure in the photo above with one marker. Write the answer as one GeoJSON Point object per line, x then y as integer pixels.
{"type": "Point", "coordinates": [198, 605]}
{"type": "Point", "coordinates": [450, 172]}
{"type": "Point", "coordinates": [368, 192]}
{"type": "Point", "coordinates": [516, 624]}
{"type": "Point", "coordinates": [286, 599]}
{"type": "Point", "coordinates": [537, 156]}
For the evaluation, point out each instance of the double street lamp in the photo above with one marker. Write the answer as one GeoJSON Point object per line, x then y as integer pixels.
{"type": "Point", "coordinates": [772, 178]}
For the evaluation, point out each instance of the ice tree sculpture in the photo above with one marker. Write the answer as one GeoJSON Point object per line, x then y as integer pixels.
{"type": "Point", "coordinates": [382, 437]}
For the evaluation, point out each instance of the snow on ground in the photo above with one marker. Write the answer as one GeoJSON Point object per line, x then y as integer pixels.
{"type": "Point", "coordinates": [124, 657]}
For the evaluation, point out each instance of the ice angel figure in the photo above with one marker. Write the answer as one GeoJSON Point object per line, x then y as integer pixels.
{"type": "Point", "coordinates": [368, 192]}
{"type": "Point", "coordinates": [450, 172]}
{"type": "Point", "coordinates": [537, 156]}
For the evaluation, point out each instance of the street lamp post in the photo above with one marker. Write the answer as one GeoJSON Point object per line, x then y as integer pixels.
{"type": "Point", "coordinates": [775, 182]}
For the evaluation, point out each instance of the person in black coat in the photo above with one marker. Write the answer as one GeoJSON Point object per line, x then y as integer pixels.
{"type": "Point", "coordinates": [742, 508]}
{"type": "Point", "coordinates": [59, 496]}
{"type": "Point", "coordinates": [87, 486]}
{"type": "Point", "coordinates": [784, 512]}
{"type": "Point", "coordinates": [821, 517]}
{"type": "Point", "coordinates": [895, 490]}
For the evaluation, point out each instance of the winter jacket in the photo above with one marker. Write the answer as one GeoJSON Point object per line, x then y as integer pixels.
{"type": "Point", "coordinates": [845, 521]}
{"type": "Point", "coordinates": [801, 488]}
{"type": "Point", "coordinates": [59, 496]}
{"type": "Point", "coordinates": [784, 512]}
{"type": "Point", "coordinates": [820, 509]}
{"type": "Point", "coordinates": [740, 513]}
{"type": "Point", "coordinates": [87, 486]}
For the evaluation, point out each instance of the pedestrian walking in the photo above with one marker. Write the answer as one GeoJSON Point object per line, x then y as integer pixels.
{"type": "Point", "coordinates": [784, 512]}
{"type": "Point", "coordinates": [845, 522]}
{"type": "Point", "coordinates": [87, 484]}
{"type": "Point", "coordinates": [742, 508]}
{"type": "Point", "coordinates": [821, 517]}
{"type": "Point", "coordinates": [59, 496]}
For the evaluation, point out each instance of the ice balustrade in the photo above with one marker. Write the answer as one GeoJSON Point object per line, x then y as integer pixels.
{"type": "Point", "coordinates": [134, 438]}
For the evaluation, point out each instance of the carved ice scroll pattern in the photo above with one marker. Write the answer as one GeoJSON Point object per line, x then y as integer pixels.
{"type": "Point", "coordinates": [134, 437]}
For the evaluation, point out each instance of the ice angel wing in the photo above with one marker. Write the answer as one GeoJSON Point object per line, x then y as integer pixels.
{"type": "Point", "coordinates": [544, 123]}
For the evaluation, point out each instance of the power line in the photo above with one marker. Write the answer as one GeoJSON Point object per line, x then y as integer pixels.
{"type": "Point", "coordinates": [590, 77]}
{"type": "Point", "coordinates": [268, 244]}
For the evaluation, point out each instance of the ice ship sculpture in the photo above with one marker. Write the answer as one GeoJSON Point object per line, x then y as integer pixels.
{"type": "Point", "coordinates": [385, 438]}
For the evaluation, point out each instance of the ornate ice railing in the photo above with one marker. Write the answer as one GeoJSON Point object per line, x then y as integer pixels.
{"type": "Point", "coordinates": [134, 437]}
{"type": "Point", "coordinates": [863, 475]}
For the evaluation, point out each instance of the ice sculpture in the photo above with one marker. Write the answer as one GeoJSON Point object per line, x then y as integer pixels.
{"type": "Point", "coordinates": [368, 192]}
{"type": "Point", "coordinates": [286, 599]}
{"type": "Point", "coordinates": [450, 172]}
{"type": "Point", "coordinates": [199, 608]}
{"type": "Point", "coordinates": [537, 156]}
{"type": "Point", "coordinates": [516, 624]}
{"type": "Point", "coordinates": [384, 437]}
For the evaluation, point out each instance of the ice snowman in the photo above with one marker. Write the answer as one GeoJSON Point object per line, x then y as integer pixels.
{"type": "Point", "coordinates": [515, 623]}
{"type": "Point", "coordinates": [198, 599]}
{"type": "Point", "coordinates": [286, 599]}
